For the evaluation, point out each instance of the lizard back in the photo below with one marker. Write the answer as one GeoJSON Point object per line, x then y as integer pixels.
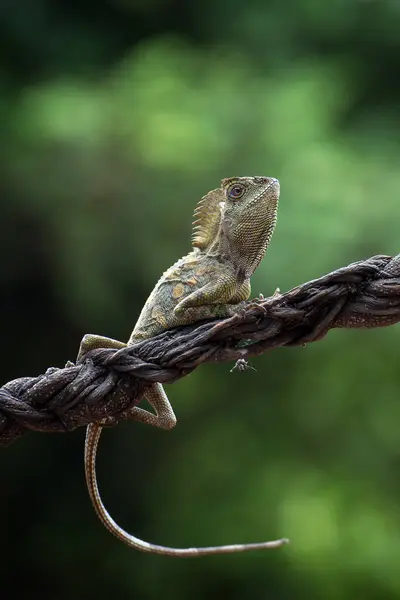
{"type": "Point", "coordinates": [189, 273]}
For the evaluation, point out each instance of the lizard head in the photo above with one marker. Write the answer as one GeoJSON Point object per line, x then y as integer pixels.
{"type": "Point", "coordinates": [249, 213]}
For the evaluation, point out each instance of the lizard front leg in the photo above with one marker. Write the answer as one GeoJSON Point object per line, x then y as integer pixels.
{"type": "Point", "coordinates": [223, 290]}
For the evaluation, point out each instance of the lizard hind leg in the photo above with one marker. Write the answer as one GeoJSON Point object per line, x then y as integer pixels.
{"type": "Point", "coordinates": [164, 416]}
{"type": "Point", "coordinates": [90, 341]}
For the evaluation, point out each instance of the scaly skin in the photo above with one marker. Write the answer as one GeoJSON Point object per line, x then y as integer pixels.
{"type": "Point", "coordinates": [233, 229]}
{"type": "Point", "coordinates": [216, 274]}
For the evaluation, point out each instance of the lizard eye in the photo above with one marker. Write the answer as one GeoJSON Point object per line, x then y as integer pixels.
{"type": "Point", "coordinates": [236, 191]}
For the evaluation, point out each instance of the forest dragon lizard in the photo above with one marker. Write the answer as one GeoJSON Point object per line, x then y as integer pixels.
{"type": "Point", "coordinates": [232, 229]}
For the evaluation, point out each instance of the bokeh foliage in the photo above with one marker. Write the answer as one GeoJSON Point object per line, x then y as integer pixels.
{"type": "Point", "coordinates": [116, 117]}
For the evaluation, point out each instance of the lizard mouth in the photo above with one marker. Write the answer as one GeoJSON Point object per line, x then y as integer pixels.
{"type": "Point", "coordinates": [272, 190]}
{"type": "Point", "coordinates": [274, 183]}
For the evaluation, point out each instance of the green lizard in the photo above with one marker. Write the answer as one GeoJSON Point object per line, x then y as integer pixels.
{"type": "Point", "coordinates": [234, 224]}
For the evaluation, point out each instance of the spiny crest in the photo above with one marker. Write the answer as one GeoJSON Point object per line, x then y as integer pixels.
{"type": "Point", "coordinates": [207, 217]}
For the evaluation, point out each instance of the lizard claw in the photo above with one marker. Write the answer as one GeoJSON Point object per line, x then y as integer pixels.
{"type": "Point", "coordinates": [255, 305]}
{"type": "Point", "coordinates": [256, 302]}
{"type": "Point", "coordinates": [276, 293]}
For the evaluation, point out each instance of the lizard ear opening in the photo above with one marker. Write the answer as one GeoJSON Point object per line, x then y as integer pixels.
{"type": "Point", "coordinates": [207, 217]}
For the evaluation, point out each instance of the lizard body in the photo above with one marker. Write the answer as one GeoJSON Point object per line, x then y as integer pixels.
{"type": "Point", "coordinates": [233, 227]}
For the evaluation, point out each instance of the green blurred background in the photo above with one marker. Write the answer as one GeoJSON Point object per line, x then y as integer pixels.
{"type": "Point", "coordinates": [117, 116]}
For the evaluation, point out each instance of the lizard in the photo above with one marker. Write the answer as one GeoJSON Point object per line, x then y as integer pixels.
{"type": "Point", "coordinates": [232, 230]}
